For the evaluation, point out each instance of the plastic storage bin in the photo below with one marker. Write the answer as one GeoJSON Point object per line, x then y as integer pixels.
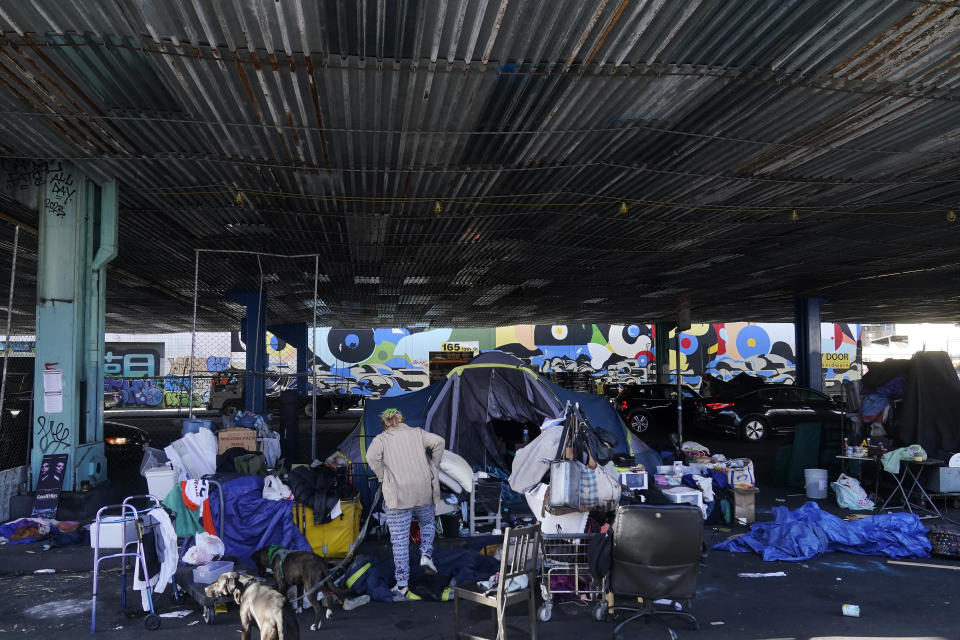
{"type": "Point", "coordinates": [193, 425]}
{"type": "Point", "coordinates": [207, 573]}
{"type": "Point", "coordinates": [112, 532]}
{"type": "Point", "coordinates": [160, 480]}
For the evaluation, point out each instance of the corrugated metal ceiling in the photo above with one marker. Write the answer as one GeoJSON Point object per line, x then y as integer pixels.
{"type": "Point", "coordinates": [342, 123]}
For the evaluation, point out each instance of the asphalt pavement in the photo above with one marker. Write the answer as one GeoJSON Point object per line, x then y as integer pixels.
{"type": "Point", "coordinates": [896, 601]}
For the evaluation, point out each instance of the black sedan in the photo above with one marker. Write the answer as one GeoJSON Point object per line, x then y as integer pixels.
{"type": "Point", "coordinates": [123, 446]}
{"type": "Point", "coordinates": [775, 408]}
{"type": "Point", "coordinates": [650, 409]}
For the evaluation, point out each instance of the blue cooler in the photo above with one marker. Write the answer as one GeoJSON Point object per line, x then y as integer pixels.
{"type": "Point", "coordinates": [193, 425]}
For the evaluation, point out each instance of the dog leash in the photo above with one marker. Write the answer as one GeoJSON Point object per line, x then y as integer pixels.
{"type": "Point", "coordinates": [350, 551]}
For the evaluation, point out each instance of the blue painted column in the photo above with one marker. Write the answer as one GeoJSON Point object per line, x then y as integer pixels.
{"type": "Point", "coordinates": [253, 330]}
{"type": "Point", "coordinates": [77, 238]}
{"type": "Point", "coordinates": [806, 325]}
{"type": "Point", "coordinates": [296, 336]}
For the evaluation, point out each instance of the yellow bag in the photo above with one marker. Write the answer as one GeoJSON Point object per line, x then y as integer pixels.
{"type": "Point", "coordinates": [333, 539]}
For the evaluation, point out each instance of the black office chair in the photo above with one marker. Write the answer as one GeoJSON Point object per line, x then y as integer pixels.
{"type": "Point", "coordinates": [656, 555]}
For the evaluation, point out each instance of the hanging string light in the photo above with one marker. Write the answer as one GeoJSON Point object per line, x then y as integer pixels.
{"type": "Point", "coordinates": [951, 216]}
{"type": "Point", "coordinates": [436, 207]}
{"type": "Point", "coordinates": [794, 216]}
{"type": "Point", "coordinates": [623, 207]}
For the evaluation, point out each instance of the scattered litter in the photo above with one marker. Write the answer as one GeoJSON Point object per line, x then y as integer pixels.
{"type": "Point", "coordinates": [190, 624]}
{"type": "Point", "coordinates": [31, 551]}
{"type": "Point", "coordinates": [117, 628]}
{"type": "Point", "coordinates": [717, 623]}
{"type": "Point", "coordinates": [665, 601]}
{"type": "Point", "coordinates": [794, 495]}
{"type": "Point", "coordinates": [851, 610]}
{"type": "Point", "coordinates": [45, 571]}
{"type": "Point", "coordinates": [805, 566]}
{"type": "Point", "coordinates": [839, 579]}
{"type": "Point", "coordinates": [742, 521]}
{"type": "Point", "coordinates": [180, 613]}
{"type": "Point", "coordinates": [780, 499]}
{"type": "Point", "coordinates": [46, 547]}
{"type": "Point", "coordinates": [775, 574]}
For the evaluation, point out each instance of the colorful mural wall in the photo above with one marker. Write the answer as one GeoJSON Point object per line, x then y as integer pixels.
{"type": "Point", "coordinates": [388, 362]}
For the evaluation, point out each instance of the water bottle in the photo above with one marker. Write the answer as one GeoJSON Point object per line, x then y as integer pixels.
{"type": "Point", "coordinates": [526, 435]}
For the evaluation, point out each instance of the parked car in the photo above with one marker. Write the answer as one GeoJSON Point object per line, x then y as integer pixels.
{"type": "Point", "coordinates": [227, 395]}
{"type": "Point", "coordinates": [111, 399]}
{"type": "Point", "coordinates": [652, 408]}
{"type": "Point", "coordinates": [123, 446]}
{"type": "Point", "coordinates": [774, 408]}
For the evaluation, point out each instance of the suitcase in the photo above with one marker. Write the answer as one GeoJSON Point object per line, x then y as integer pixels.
{"type": "Point", "coordinates": [332, 539]}
{"type": "Point", "coordinates": [564, 486]}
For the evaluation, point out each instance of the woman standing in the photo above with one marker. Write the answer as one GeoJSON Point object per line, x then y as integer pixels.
{"type": "Point", "coordinates": [411, 487]}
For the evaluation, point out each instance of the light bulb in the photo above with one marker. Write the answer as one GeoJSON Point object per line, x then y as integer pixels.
{"type": "Point", "coordinates": [623, 207]}
{"type": "Point", "coordinates": [436, 207]}
{"type": "Point", "coordinates": [794, 216]}
{"type": "Point", "coordinates": [951, 215]}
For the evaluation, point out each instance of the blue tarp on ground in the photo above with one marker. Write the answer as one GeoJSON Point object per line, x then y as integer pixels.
{"type": "Point", "coordinates": [251, 522]}
{"type": "Point", "coordinates": [808, 532]}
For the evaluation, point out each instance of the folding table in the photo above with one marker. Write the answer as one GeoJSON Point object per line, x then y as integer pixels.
{"type": "Point", "coordinates": [910, 473]}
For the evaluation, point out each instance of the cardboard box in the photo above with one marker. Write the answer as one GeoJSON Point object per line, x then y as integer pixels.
{"type": "Point", "coordinates": [743, 475]}
{"type": "Point", "coordinates": [237, 437]}
{"type": "Point", "coordinates": [944, 480]}
{"type": "Point", "coordinates": [744, 504]}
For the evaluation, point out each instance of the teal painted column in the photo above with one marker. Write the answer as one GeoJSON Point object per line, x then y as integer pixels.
{"type": "Point", "coordinates": [77, 238]}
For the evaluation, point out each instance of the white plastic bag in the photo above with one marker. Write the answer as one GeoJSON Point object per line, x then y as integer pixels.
{"type": "Point", "coordinates": [850, 495]}
{"type": "Point", "coordinates": [207, 548]}
{"type": "Point", "coordinates": [274, 489]}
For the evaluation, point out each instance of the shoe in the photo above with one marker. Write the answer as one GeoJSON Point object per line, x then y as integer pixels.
{"type": "Point", "coordinates": [400, 594]}
{"type": "Point", "coordinates": [426, 563]}
{"type": "Point", "coordinates": [350, 604]}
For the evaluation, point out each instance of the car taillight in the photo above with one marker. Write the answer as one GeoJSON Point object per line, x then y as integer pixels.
{"type": "Point", "coordinates": [623, 404]}
{"type": "Point", "coordinates": [716, 406]}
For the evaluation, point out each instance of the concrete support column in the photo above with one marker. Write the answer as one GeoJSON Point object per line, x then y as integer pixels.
{"type": "Point", "coordinates": [296, 336]}
{"type": "Point", "coordinates": [806, 325]}
{"type": "Point", "coordinates": [253, 330]}
{"type": "Point", "coordinates": [661, 344]}
{"type": "Point", "coordinates": [77, 238]}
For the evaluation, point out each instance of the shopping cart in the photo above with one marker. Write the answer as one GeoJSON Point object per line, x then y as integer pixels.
{"type": "Point", "coordinates": [566, 571]}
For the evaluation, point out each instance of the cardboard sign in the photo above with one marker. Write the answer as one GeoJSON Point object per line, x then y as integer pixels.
{"type": "Point", "coordinates": [236, 437]}
{"type": "Point", "coordinates": [53, 468]}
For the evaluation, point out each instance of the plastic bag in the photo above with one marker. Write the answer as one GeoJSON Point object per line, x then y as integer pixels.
{"type": "Point", "coordinates": [152, 458]}
{"type": "Point", "coordinates": [850, 495]}
{"type": "Point", "coordinates": [274, 489]}
{"type": "Point", "coordinates": [207, 548]}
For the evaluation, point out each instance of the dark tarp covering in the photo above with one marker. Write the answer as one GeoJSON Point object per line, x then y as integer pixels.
{"type": "Point", "coordinates": [807, 532]}
{"type": "Point", "coordinates": [930, 414]}
{"type": "Point", "coordinates": [493, 386]}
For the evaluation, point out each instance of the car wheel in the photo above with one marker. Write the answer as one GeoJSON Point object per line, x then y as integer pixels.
{"type": "Point", "coordinates": [639, 422]}
{"type": "Point", "coordinates": [754, 430]}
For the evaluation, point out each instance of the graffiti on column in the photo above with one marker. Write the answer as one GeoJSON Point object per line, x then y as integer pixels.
{"type": "Point", "coordinates": [52, 436]}
{"type": "Point", "coordinates": [62, 190]}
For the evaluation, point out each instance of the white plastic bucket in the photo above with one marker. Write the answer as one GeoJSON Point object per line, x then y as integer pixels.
{"type": "Point", "coordinates": [160, 480]}
{"type": "Point", "coordinates": [816, 483]}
